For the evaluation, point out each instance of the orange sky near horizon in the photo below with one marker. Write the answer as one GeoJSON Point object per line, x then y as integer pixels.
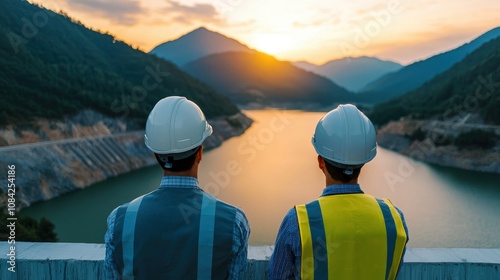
{"type": "Point", "coordinates": [317, 31]}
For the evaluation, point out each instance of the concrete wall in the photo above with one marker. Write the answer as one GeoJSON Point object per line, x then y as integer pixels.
{"type": "Point", "coordinates": [85, 261]}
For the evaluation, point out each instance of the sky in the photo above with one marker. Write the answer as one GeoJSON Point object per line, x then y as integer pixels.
{"type": "Point", "coordinates": [316, 31]}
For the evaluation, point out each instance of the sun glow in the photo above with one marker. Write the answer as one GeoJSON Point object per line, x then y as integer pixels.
{"type": "Point", "coordinates": [272, 43]}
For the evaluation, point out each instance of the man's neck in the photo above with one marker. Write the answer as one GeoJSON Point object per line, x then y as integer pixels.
{"type": "Point", "coordinates": [187, 173]}
{"type": "Point", "coordinates": [330, 181]}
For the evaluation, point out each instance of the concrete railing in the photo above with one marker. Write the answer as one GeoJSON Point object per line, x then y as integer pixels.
{"type": "Point", "coordinates": [85, 261]}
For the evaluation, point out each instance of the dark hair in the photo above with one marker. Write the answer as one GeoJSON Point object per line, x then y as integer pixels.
{"type": "Point", "coordinates": [339, 175]}
{"type": "Point", "coordinates": [178, 165]}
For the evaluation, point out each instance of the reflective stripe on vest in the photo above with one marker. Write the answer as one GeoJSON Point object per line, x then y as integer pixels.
{"type": "Point", "coordinates": [206, 237]}
{"type": "Point", "coordinates": [170, 234]}
{"type": "Point", "coordinates": [128, 233]}
{"type": "Point", "coordinates": [350, 236]}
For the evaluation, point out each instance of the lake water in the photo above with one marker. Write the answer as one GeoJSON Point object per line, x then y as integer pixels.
{"type": "Point", "coordinates": [273, 166]}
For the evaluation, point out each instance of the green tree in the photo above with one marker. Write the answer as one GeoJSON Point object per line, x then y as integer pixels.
{"type": "Point", "coordinates": [46, 230]}
{"type": "Point", "coordinates": [418, 134]}
{"type": "Point", "coordinates": [28, 229]}
{"type": "Point", "coordinates": [476, 138]}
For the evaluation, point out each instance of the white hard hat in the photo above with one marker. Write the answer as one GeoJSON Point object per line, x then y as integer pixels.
{"type": "Point", "coordinates": [345, 137]}
{"type": "Point", "coordinates": [175, 126]}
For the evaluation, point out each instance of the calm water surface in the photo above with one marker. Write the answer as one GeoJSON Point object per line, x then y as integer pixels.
{"type": "Point", "coordinates": [273, 166]}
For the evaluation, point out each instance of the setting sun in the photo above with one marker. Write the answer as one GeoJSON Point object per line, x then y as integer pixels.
{"type": "Point", "coordinates": [274, 43]}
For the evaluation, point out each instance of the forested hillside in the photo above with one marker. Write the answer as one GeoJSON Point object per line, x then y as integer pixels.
{"type": "Point", "coordinates": [52, 66]}
{"type": "Point", "coordinates": [470, 86]}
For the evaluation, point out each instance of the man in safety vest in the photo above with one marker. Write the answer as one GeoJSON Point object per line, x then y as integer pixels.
{"type": "Point", "coordinates": [345, 234]}
{"type": "Point", "coordinates": [177, 231]}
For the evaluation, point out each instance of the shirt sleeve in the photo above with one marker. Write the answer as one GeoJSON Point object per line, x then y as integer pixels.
{"type": "Point", "coordinates": [282, 262]}
{"type": "Point", "coordinates": [241, 233]}
{"type": "Point", "coordinates": [110, 267]}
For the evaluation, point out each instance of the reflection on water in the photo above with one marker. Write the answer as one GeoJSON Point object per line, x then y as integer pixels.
{"type": "Point", "coordinates": [273, 166]}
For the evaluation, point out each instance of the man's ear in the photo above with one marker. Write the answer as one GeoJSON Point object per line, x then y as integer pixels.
{"type": "Point", "coordinates": [199, 154]}
{"type": "Point", "coordinates": [321, 163]}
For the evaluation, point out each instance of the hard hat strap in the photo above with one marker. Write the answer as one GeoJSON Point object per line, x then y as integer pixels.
{"type": "Point", "coordinates": [348, 169]}
{"type": "Point", "coordinates": [168, 162]}
{"type": "Point", "coordinates": [170, 158]}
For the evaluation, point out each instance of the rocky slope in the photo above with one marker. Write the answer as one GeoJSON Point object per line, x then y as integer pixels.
{"type": "Point", "coordinates": [63, 156]}
{"type": "Point", "coordinates": [435, 142]}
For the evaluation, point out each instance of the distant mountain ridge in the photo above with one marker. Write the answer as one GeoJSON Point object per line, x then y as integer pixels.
{"type": "Point", "coordinates": [260, 78]}
{"type": "Point", "coordinates": [197, 44]}
{"type": "Point", "coordinates": [470, 86]}
{"type": "Point", "coordinates": [352, 73]}
{"type": "Point", "coordinates": [247, 76]}
{"type": "Point", "coordinates": [308, 66]}
{"type": "Point", "coordinates": [416, 74]}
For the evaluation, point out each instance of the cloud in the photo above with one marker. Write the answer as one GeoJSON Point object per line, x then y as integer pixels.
{"type": "Point", "coordinates": [310, 18]}
{"type": "Point", "coordinates": [367, 10]}
{"type": "Point", "coordinates": [120, 11]}
{"type": "Point", "coordinates": [205, 13]}
{"type": "Point", "coordinates": [315, 23]}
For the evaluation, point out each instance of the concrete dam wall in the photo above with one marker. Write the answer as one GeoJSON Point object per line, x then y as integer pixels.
{"type": "Point", "coordinates": [86, 261]}
{"type": "Point", "coordinates": [45, 170]}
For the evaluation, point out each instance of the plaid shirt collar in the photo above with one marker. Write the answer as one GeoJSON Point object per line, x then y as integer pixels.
{"type": "Point", "coordinates": [342, 189]}
{"type": "Point", "coordinates": [179, 182]}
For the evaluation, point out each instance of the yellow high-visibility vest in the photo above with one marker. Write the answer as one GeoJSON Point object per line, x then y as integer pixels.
{"type": "Point", "coordinates": [350, 236]}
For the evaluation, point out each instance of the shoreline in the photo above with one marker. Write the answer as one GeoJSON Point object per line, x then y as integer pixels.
{"type": "Point", "coordinates": [433, 145]}
{"type": "Point", "coordinates": [48, 169]}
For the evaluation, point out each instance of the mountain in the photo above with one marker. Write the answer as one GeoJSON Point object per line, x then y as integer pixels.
{"type": "Point", "coordinates": [257, 77]}
{"type": "Point", "coordinates": [353, 73]}
{"type": "Point", "coordinates": [469, 87]}
{"type": "Point", "coordinates": [305, 65]}
{"type": "Point", "coordinates": [196, 44]}
{"type": "Point", "coordinates": [52, 66]}
{"type": "Point", "coordinates": [245, 75]}
{"type": "Point", "coordinates": [416, 74]}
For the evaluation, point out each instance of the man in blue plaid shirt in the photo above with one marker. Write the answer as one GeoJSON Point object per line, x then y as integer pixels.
{"type": "Point", "coordinates": [177, 231]}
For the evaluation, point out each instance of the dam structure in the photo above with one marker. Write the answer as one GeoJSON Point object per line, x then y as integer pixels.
{"type": "Point", "coordinates": [85, 261]}
{"type": "Point", "coordinates": [48, 169]}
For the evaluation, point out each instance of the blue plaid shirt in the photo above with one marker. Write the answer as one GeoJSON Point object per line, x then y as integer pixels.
{"type": "Point", "coordinates": [241, 232]}
{"type": "Point", "coordinates": [285, 260]}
